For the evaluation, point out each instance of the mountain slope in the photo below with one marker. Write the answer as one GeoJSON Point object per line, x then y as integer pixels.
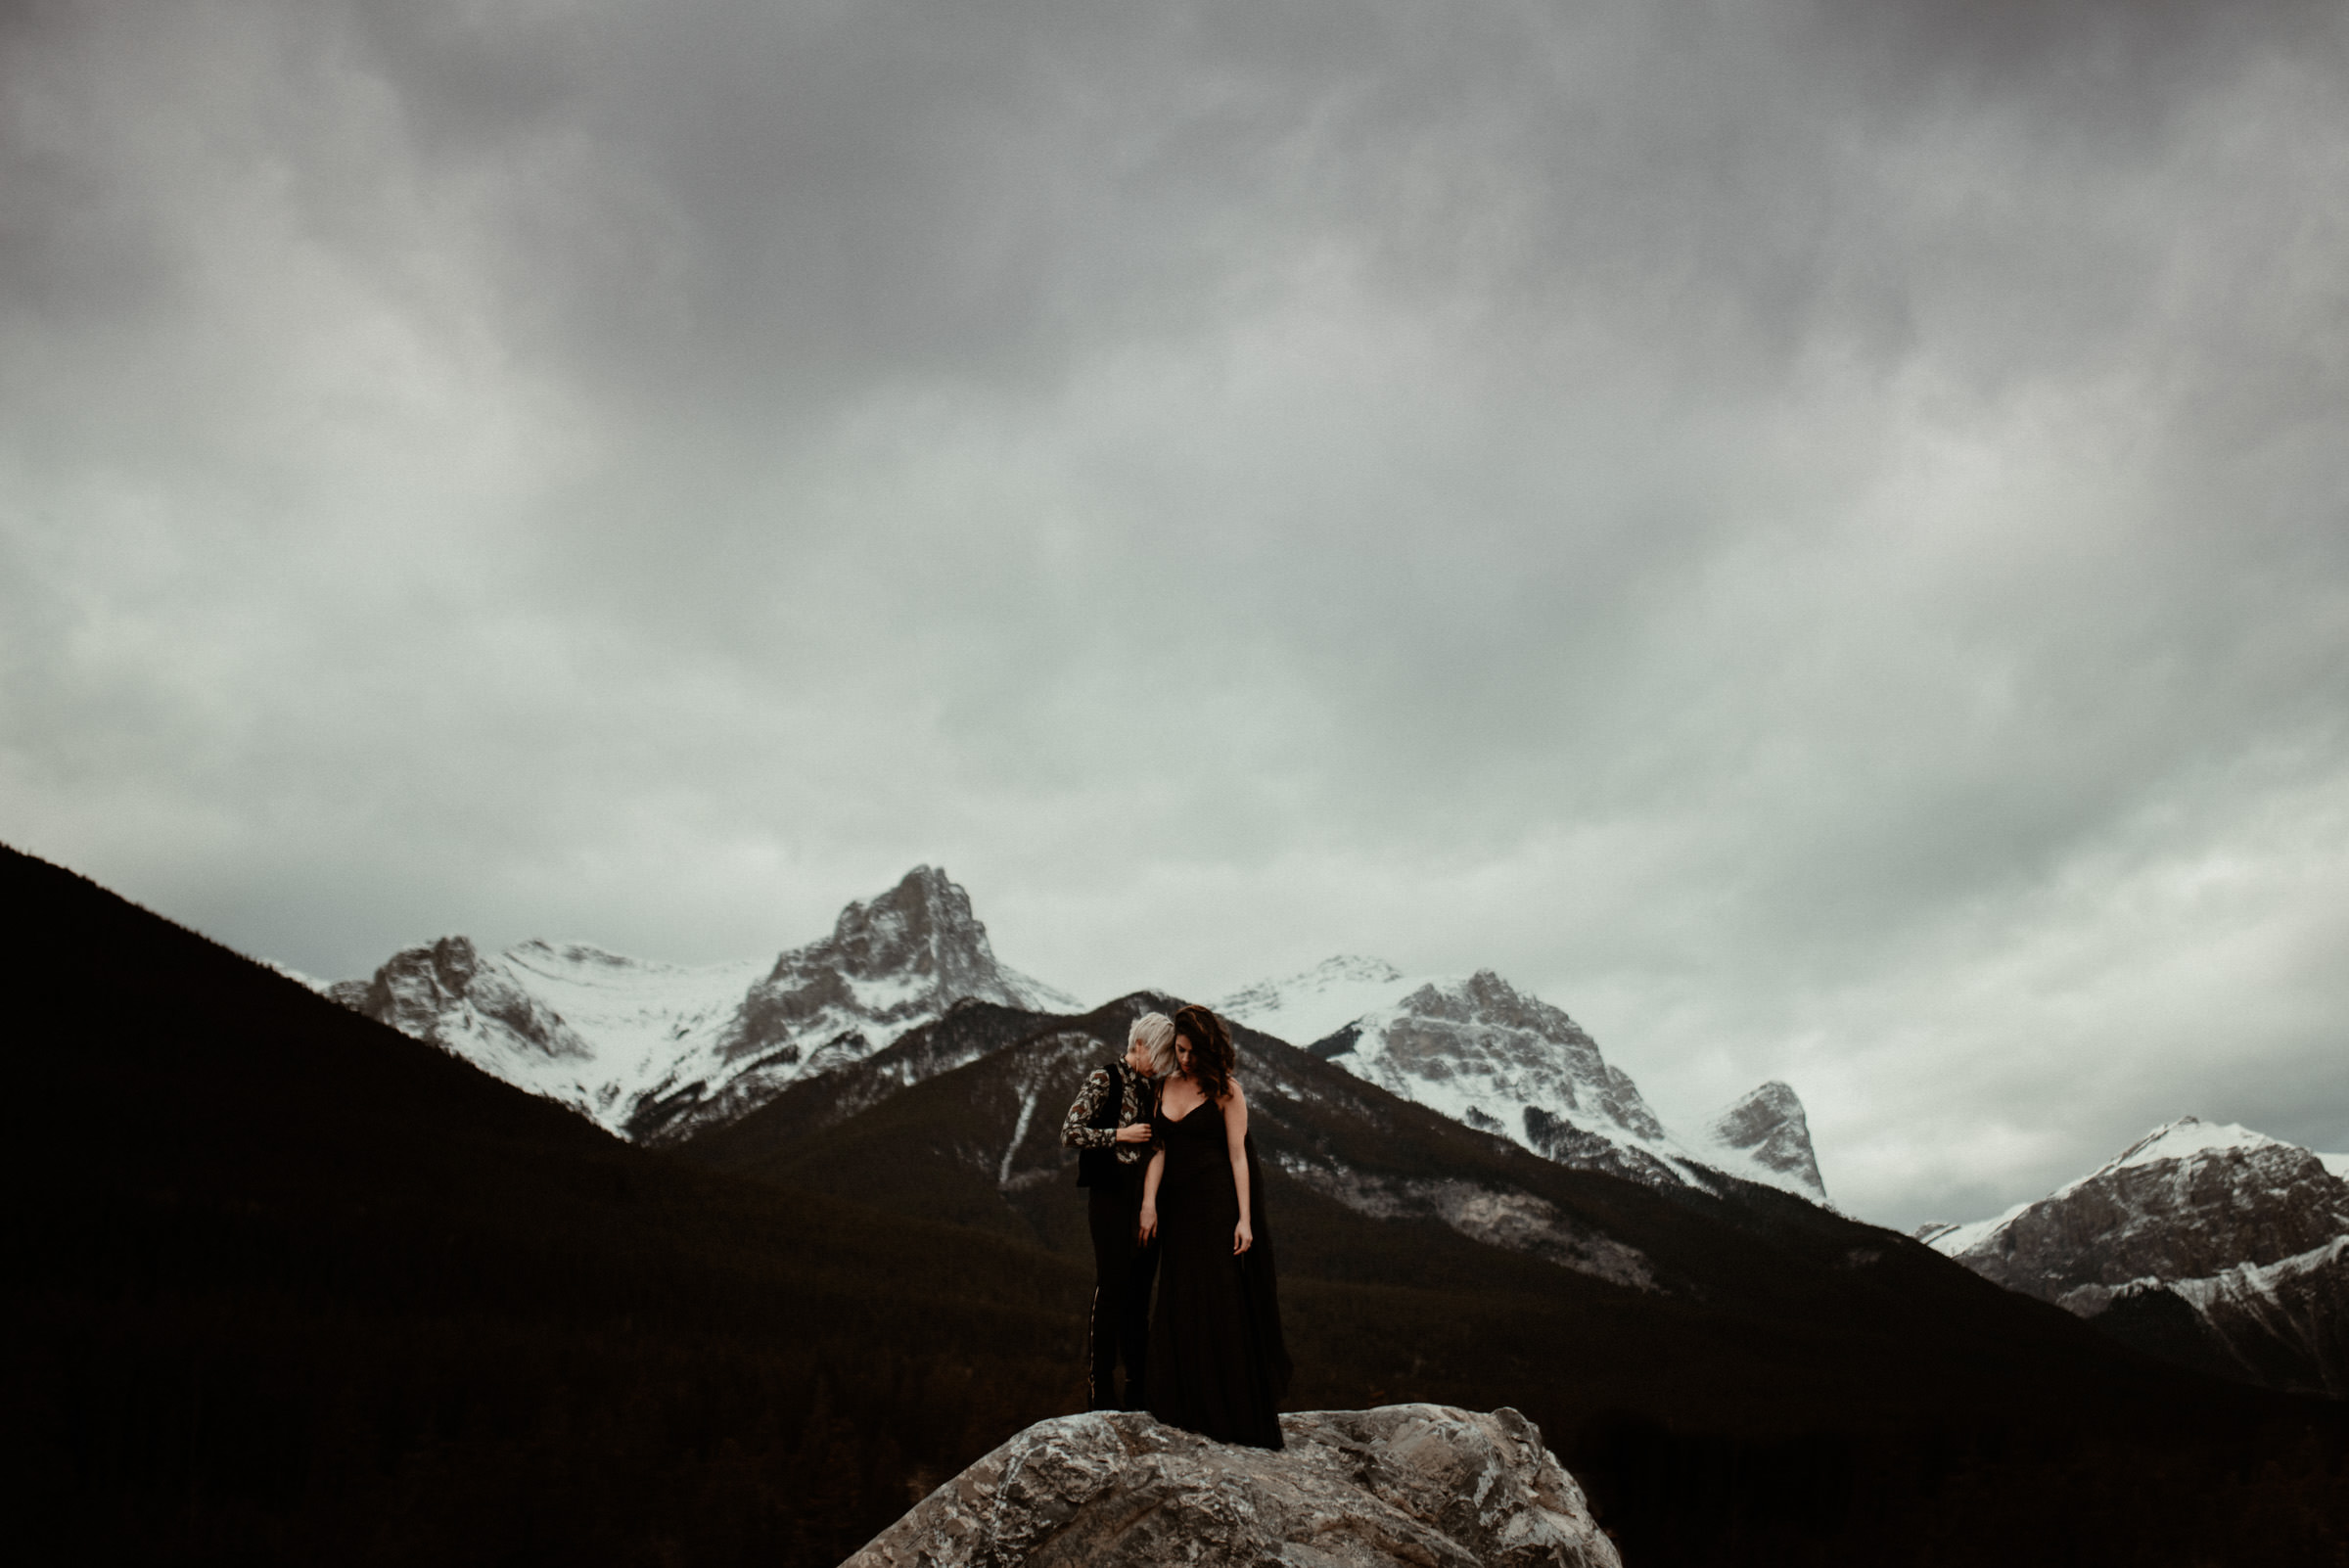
{"type": "Point", "coordinates": [2209, 1243]}
{"type": "Point", "coordinates": [654, 1051]}
{"type": "Point", "coordinates": [287, 1286]}
{"type": "Point", "coordinates": [1649, 1329]}
{"type": "Point", "coordinates": [1480, 1052]}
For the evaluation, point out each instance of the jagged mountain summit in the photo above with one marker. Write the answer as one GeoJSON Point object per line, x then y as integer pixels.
{"type": "Point", "coordinates": [1764, 1137]}
{"type": "Point", "coordinates": [1484, 1053]}
{"type": "Point", "coordinates": [2205, 1242]}
{"type": "Point", "coordinates": [654, 1051]}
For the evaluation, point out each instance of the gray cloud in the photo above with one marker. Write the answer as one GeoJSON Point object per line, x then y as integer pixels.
{"type": "Point", "coordinates": [1812, 533]}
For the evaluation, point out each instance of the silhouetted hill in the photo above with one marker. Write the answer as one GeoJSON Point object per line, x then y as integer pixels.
{"type": "Point", "coordinates": [1743, 1378]}
{"type": "Point", "coordinates": [289, 1286]}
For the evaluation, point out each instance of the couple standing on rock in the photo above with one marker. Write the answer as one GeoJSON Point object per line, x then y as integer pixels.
{"type": "Point", "coordinates": [1176, 1195]}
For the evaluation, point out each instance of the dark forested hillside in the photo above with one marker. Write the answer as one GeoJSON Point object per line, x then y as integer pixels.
{"type": "Point", "coordinates": [291, 1287]}
{"type": "Point", "coordinates": [288, 1286]}
{"type": "Point", "coordinates": [1759, 1380]}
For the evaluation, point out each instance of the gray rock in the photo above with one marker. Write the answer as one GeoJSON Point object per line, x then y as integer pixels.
{"type": "Point", "coordinates": [1425, 1485]}
{"type": "Point", "coordinates": [1768, 1128]}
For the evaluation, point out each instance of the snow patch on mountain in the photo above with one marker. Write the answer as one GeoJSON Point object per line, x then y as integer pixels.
{"type": "Point", "coordinates": [1308, 1007]}
{"type": "Point", "coordinates": [1502, 1216]}
{"type": "Point", "coordinates": [1950, 1238]}
{"type": "Point", "coordinates": [2187, 1138]}
{"type": "Point", "coordinates": [324, 988]}
{"type": "Point", "coordinates": [2261, 1282]}
{"type": "Point", "coordinates": [654, 1051]}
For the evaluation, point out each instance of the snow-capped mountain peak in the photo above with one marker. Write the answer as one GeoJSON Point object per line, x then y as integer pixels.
{"type": "Point", "coordinates": [1504, 1061]}
{"type": "Point", "coordinates": [447, 993]}
{"type": "Point", "coordinates": [654, 1051]}
{"type": "Point", "coordinates": [2189, 1143]}
{"type": "Point", "coordinates": [2242, 1229]}
{"type": "Point", "coordinates": [920, 933]}
{"type": "Point", "coordinates": [2187, 1138]}
{"type": "Point", "coordinates": [1499, 1059]}
{"type": "Point", "coordinates": [1764, 1137]}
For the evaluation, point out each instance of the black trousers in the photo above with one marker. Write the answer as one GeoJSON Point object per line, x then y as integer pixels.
{"type": "Point", "coordinates": [1124, 1271]}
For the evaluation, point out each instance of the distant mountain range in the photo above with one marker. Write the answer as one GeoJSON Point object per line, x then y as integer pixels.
{"type": "Point", "coordinates": [2206, 1243]}
{"type": "Point", "coordinates": [2211, 1246]}
{"type": "Point", "coordinates": [654, 1051]}
{"type": "Point", "coordinates": [657, 1052]}
{"type": "Point", "coordinates": [1484, 1054]}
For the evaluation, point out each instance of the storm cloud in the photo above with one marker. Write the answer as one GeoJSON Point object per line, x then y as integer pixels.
{"type": "Point", "coordinates": [1814, 534]}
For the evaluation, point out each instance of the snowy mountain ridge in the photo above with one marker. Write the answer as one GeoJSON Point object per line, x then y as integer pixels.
{"type": "Point", "coordinates": [1476, 1050]}
{"type": "Point", "coordinates": [1312, 1006]}
{"type": "Point", "coordinates": [2189, 1140]}
{"type": "Point", "coordinates": [653, 1050]}
{"type": "Point", "coordinates": [2205, 1241]}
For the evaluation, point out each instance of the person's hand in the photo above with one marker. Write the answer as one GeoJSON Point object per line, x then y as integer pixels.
{"type": "Point", "coordinates": [1242, 1238]}
{"type": "Point", "coordinates": [1135, 1133]}
{"type": "Point", "coordinates": [1149, 1221]}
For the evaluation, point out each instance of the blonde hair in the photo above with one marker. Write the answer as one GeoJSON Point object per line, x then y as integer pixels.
{"type": "Point", "coordinates": [1155, 1032]}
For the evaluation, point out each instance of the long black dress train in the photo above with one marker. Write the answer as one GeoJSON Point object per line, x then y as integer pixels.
{"type": "Point", "coordinates": [1216, 1363]}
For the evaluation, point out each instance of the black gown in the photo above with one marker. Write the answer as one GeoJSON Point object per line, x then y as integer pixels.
{"type": "Point", "coordinates": [1216, 1363]}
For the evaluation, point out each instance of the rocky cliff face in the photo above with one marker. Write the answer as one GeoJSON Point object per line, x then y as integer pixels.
{"type": "Point", "coordinates": [2209, 1243]}
{"type": "Point", "coordinates": [1484, 1053]}
{"type": "Point", "coordinates": [1768, 1131]}
{"type": "Point", "coordinates": [656, 1050]}
{"type": "Point", "coordinates": [1423, 1484]}
{"type": "Point", "coordinates": [447, 993]}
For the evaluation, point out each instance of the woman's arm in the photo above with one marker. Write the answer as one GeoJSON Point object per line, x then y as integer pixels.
{"type": "Point", "coordinates": [1158, 1168]}
{"type": "Point", "coordinates": [1235, 1136]}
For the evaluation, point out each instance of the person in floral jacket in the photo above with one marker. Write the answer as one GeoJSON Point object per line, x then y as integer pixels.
{"type": "Point", "coordinates": [1109, 1128]}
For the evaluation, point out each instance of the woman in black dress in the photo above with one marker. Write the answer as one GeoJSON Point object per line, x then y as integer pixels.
{"type": "Point", "coordinates": [1216, 1363]}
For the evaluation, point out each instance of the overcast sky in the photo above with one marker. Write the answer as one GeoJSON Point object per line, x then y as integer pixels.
{"type": "Point", "coordinates": [1814, 535]}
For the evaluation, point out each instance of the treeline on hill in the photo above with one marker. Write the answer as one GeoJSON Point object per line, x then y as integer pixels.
{"type": "Point", "coordinates": [291, 1287]}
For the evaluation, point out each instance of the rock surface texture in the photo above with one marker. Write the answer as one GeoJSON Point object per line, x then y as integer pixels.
{"type": "Point", "coordinates": [1419, 1483]}
{"type": "Point", "coordinates": [1768, 1128]}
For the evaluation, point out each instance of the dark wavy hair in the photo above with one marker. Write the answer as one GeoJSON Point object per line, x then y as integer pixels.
{"type": "Point", "coordinates": [1212, 1055]}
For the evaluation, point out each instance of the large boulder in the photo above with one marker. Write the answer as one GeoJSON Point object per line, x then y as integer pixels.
{"type": "Point", "coordinates": [1425, 1485]}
